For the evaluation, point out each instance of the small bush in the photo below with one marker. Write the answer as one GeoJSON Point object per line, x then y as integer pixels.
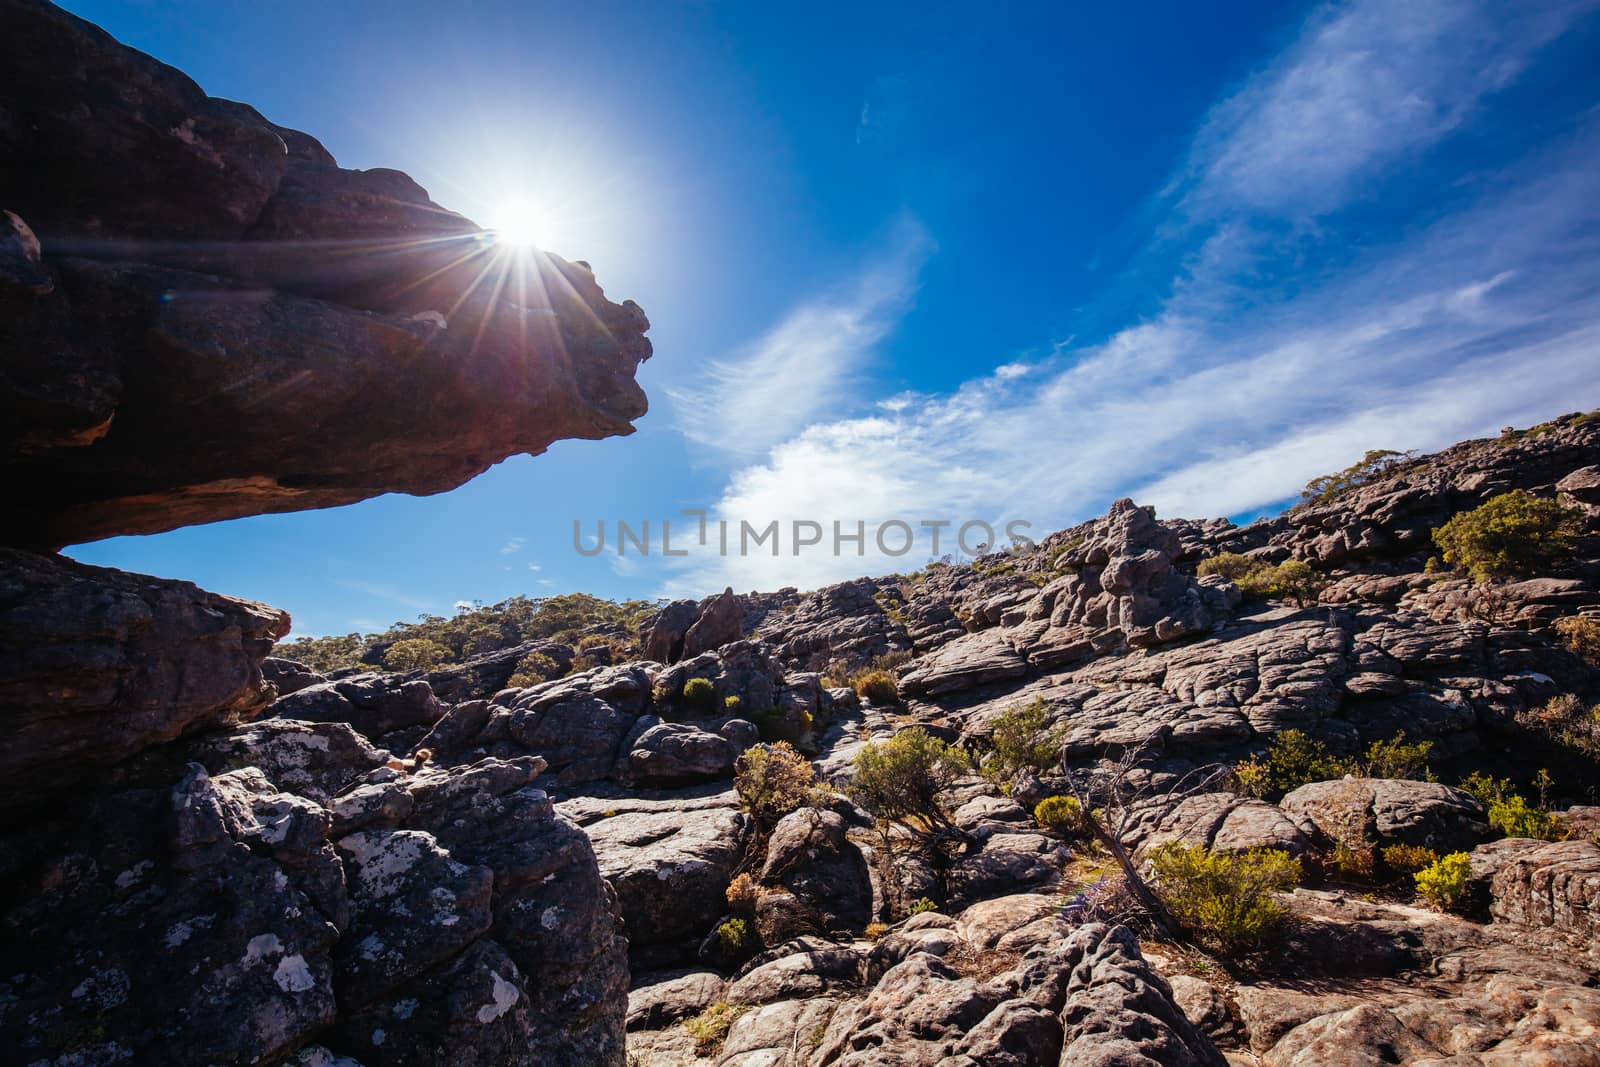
{"type": "Point", "coordinates": [1565, 720]}
{"type": "Point", "coordinates": [1509, 810]}
{"type": "Point", "coordinates": [699, 696]}
{"type": "Point", "coordinates": [1292, 579]}
{"type": "Point", "coordinates": [710, 1028]}
{"type": "Point", "coordinates": [1444, 881]}
{"type": "Point", "coordinates": [532, 669]}
{"type": "Point", "coordinates": [1061, 815]}
{"type": "Point", "coordinates": [1404, 860]}
{"type": "Point", "coordinates": [1292, 760]}
{"type": "Point", "coordinates": [921, 905]}
{"type": "Point", "coordinates": [795, 727]}
{"type": "Point", "coordinates": [736, 937]}
{"type": "Point", "coordinates": [879, 687]}
{"type": "Point", "coordinates": [905, 779]}
{"type": "Point", "coordinates": [1397, 759]}
{"type": "Point", "coordinates": [1225, 898]}
{"type": "Point", "coordinates": [876, 930]}
{"type": "Point", "coordinates": [416, 654]}
{"type": "Point", "coordinates": [1511, 535]}
{"type": "Point", "coordinates": [743, 895]}
{"type": "Point", "coordinates": [1022, 742]}
{"type": "Point", "coordinates": [1581, 634]}
{"type": "Point", "coordinates": [772, 780]}
{"type": "Point", "coordinates": [730, 704]}
{"type": "Point", "coordinates": [890, 660]}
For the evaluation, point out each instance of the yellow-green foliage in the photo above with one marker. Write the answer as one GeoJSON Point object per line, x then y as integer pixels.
{"type": "Point", "coordinates": [1509, 810]}
{"type": "Point", "coordinates": [735, 936]}
{"type": "Point", "coordinates": [1060, 815]}
{"type": "Point", "coordinates": [699, 696]}
{"type": "Point", "coordinates": [920, 905]}
{"type": "Point", "coordinates": [480, 628]}
{"type": "Point", "coordinates": [415, 654]}
{"type": "Point", "coordinates": [532, 669]}
{"type": "Point", "coordinates": [905, 778]}
{"type": "Point", "coordinates": [1395, 758]}
{"type": "Point", "coordinates": [1581, 634]}
{"type": "Point", "coordinates": [1565, 720]}
{"type": "Point", "coordinates": [1373, 465]}
{"type": "Point", "coordinates": [710, 1028]}
{"type": "Point", "coordinates": [1225, 898]}
{"type": "Point", "coordinates": [1444, 881]}
{"type": "Point", "coordinates": [1292, 579]}
{"type": "Point", "coordinates": [772, 780]}
{"type": "Point", "coordinates": [1408, 859]}
{"type": "Point", "coordinates": [1511, 535]}
{"type": "Point", "coordinates": [1021, 742]}
{"type": "Point", "coordinates": [796, 726]}
{"type": "Point", "coordinates": [1292, 760]}
{"type": "Point", "coordinates": [880, 687]}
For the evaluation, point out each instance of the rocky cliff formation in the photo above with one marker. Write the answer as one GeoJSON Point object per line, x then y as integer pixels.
{"type": "Point", "coordinates": [205, 317]}
{"type": "Point", "coordinates": [202, 316]}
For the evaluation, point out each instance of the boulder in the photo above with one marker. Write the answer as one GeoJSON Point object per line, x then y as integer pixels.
{"type": "Point", "coordinates": [1225, 822]}
{"type": "Point", "coordinates": [1551, 884]}
{"type": "Point", "coordinates": [1392, 812]}
{"type": "Point", "coordinates": [720, 622]}
{"type": "Point", "coordinates": [101, 665]}
{"type": "Point", "coordinates": [373, 704]}
{"type": "Point", "coordinates": [965, 663]}
{"type": "Point", "coordinates": [828, 884]}
{"type": "Point", "coordinates": [676, 753]}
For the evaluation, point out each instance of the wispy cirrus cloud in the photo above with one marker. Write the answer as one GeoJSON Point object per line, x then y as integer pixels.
{"type": "Point", "coordinates": [806, 365]}
{"type": "Point", "coordinates": [1234, 394]}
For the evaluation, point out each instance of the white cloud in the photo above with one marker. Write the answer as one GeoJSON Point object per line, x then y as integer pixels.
{"type": "Point", "coordinates": [1229, 400]}
{"type": "Point", "coordinates": [463, 605]}
{"type": "Point", "coordinates": [512, 546]}
{"type": "Point", "coordinates": [535, 567]}
{"type": "Point", "coordinates": [805, 367]}
{"type": "Point", "coordinates": [1366, 86]}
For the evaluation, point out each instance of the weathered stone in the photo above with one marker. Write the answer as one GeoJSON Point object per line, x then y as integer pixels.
{"type": "Point", "coordinates": [1391, 812]}
{"type": "Point", "coordinates": [101, 665]}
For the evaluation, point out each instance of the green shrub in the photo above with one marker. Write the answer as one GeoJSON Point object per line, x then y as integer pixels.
{"type": "Point", "coordinates": [772, 780]}
{"type": "Point", "coordinates": [890, 660]}
{"type": "Point", "coordinates": [920, 905]}
{"type": "Point", "coordinates": [1511, 535]}
{"type": "Point", "coordinates": [1396, 759]}
{"type": "Point", "coordinates": [1225, 898]}
{"type": "Point", "coordinates": [796, 727]}
{"type": "Point", "coordinates": [415, 654]}
{"type": "Point", "coordinates": [1509, 810]}
{"type": "Point", "coordinates": [1292, 760]}
{"type": "Point", "coordinates": [699, 696]}
{"type": "Point", "coordinates": [1022, 742]}
{"type": "Point", "coordinates": [1581, 634]}
{"type": "Point", "coordinates": [1404, 860]}
{"type": "Point", "coordinates": [735, 936]}
{"type": "Point", "coordinates": [879, 687]}
{"type": "Point", "coordinates": [1374, 464]}
{"type": "Point", "coordinates": [906, 778]}
{"type": "Point", "coordinates": [1565, 720]}
{"type": "Point", "coordinates": [710, 1028]}
{"type": "Point", "coordinates": [1444, 881]}
{"type": "Point", "coordinates": [532, 669]}
{"type": "Point", "coordinates": [1061, 815]}
{"type": "Point", "coordinates": [1292, 579]}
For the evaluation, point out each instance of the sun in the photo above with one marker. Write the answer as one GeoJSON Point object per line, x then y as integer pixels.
{"type": "Point", "coordinates": [518, 224]}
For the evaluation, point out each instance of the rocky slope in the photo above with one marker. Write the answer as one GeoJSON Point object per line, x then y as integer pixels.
{"type": "Point", "coordinates": [212, 856]}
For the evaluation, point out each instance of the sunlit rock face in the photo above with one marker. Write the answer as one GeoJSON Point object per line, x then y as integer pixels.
{"type": "Point", "coordinates": [204, 317]}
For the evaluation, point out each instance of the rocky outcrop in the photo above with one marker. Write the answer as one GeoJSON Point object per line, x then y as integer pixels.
{"type": "Point", "coordinates": [182, 345]}
{"type": "Point", "coordinates": [1388, 812]}
{"type": "Point", "coordinates": [100, 665]}
{"type": "Point", "coordinates": [1554, 884]}
{"type": "Point", "coordinates": [469, 919]}
{"type": "Point", "coordinates": [720, 622]}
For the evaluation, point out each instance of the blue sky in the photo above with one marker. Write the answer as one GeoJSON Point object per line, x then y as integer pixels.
{"type": "Point", "coordinates": [937, 262]}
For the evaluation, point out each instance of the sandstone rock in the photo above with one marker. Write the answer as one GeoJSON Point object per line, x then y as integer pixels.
{"type": "Point", "coordinates": [799, 974]}
{"type": "Point", "coordinates": [1392, 812]}
{"type": "Point", "coordinates": [314, 759]}
{"type": "Point", "coordinates": [287, 676]}
{"type": "Point", "coordinates": [662, 637]}
{"type": "Point", "coordinates": [825, 874]}
{"type": "Point", "coordinates": [126, 370]}
{"type": "Point", "coordinates": [675, 753]}
{"type": "Point", "coordinates": [964, 663]}
{"type": "Point", "coordinates": [720, 622]}
{"type": "Point", "coordinates": [484, 675]}
{"type": "Point", "coordinates": [671, 872]}
{"type": "Point", "coordinates": [1225, 822]}
{"type": "Point", "coordinates": [373, 704]}
{"type": "Point", "coordinates": [1554, 884]}
{"type": "Point", "coordinates": [658, 999]}
{"type": "Point", "coordinates": [101, 665]}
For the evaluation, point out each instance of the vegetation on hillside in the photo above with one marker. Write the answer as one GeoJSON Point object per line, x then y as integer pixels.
{"type": "Point", "coordinates": [1375, 464]}
{"type": "Point", "coordinates": [1512, 535]}
{"type": "Point", "coordinates": [472, 632]}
